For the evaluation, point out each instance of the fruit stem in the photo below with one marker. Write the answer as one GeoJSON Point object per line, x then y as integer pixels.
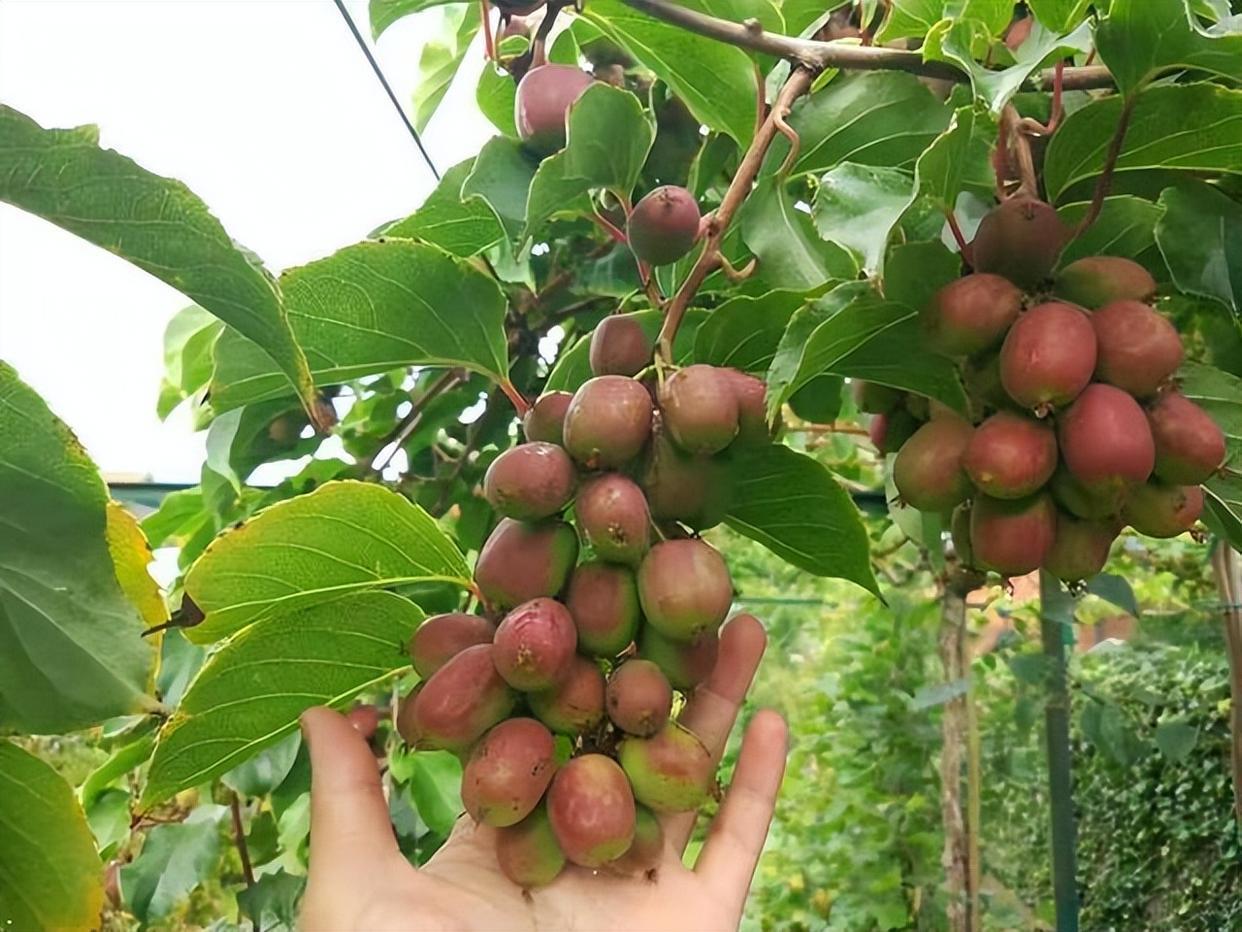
{"type": "Point", "coordinates": [520, 404]}
{"type": "Point", "coordinates": [743, 180]}
{"type": "Point", "coordinates": [607, 226]}
{"type": "Point", "coordinates": [963, 247]}
{"type": "Point", "coordinates": [1104, 182]}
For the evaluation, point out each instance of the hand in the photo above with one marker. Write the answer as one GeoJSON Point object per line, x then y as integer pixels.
{"type": "Point", "coordinates": [359, 880]}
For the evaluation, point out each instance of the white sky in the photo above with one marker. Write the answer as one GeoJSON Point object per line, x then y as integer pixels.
{"type": "Point", "coordinates": [267, 110]}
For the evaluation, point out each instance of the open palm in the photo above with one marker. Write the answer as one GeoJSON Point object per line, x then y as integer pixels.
{"type": "Point", "coordinates": [359, 880]}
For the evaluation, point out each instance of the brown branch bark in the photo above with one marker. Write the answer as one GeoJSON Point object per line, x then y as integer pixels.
{"type": "Point", "coordinates": [955, 858]}
{"type": "Point", "coordinates": [243, 852]}
{"type": "Point", "coordinates": [1228, 571]}
{"type": "Point", "coordinates": [743, 180]}
{"type": "Point", "coordinates": [817, 56]}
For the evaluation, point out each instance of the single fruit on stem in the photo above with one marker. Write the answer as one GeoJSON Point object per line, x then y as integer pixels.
{"type": "Point", "coordinates": [528, 853]}
{"type": "Point", "coordinates": [1011, 455]}
{"type": "Point", "coordinates": [591, 808]}
{"type": "Point", "coordinates": [671, 771]}
{"type": "Point", "coordinates": [638, 698]}
{"type": "Point", "coordinates": [613, 517]}
{"type": "Point", "coordinates": [1189, 445]}
{"type": "Point", "coordinates": [620, 346]}
{"type": "Point", "coordinates": [1105, 442]}
{"type": "Point", "coordinates": [1048, 356]}
{"type": "Point", "coordinates": [695, 490]}
{"type": "Point", "coordinates": [508, 772]}
{"type": "Point", "coordinates": [971, 314]}
{"type": "Point", "coordinates": [663, 225]}
{"type": "Point", "coordinates": [608, 422]}
{"type": "Point", "coordinates": [1138, 349]}
{"type": "Point", "coordinates": [457, 704]}
{"type": "Point", "coordinates": [684, 588]}
{"type": "Point", "coordinates": [1080, 548]}
{"type": "Point", "coordinates": [545, 421]}
{"type": "Point", "coordinates": [1012, 537]}
{"type": "Point", "coordinates": [685, 665]}
{"type": "Point", "coordinates": [1157, 509]}
{"type": "Point", "coordinates": [534, 645]}
{"type": "Point", "coordinates": [752, 408]}
{"type": "Point", "coordinates": [699, 409]}
{"type": "Point", "coordinates": [440, 638]}
{"type": "Point", "coordinates": [1098, 280]}
{"type": "Point", "coordinates": [521, 561]}
{"type": "Point", "coordinates": [603, 600]}
{"type": "Point", "coordinates": [530, 481]}
{"type": "Point", "coordinates": [576, 705]}
{"type": "Point", "coordinates": [1020, 239]}
{"type": "Point", "coordinates": [928, 471]}
{"type": "Point", "coordinates": [541, 104]}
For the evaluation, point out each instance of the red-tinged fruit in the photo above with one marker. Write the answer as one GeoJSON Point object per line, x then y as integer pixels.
{"type": "Point", "coordinates": [1012, 536]}
{"type": "Point", "coordinates": [752, 407]}
{"type": "Point", "coordinates": [890, 432]}
{"type": "Point", "coordinates": [541, 104]}
{"type": "Point", "coordinates": [1158, 509]}
{"type": "Point", "coordinates": [1189, 445]}
{"type": "Point", "coordinates": [1048, 356]}
{"type": "Point", "coordinates": [699, 409]}
{"type": "Point", "coordinates": [874, 398]}
{"type": "Point", "coordinates": [695, 490]}
{"type": "Point", "coordinates": [458, 703]}
{"type": "Point", "coordinates": [1139, 349]}
{"type": "Point", "coordinates": [684, 589]}
{"type": "Point", "coordinates": [1099, 280]}
{"type": "Point", "coordinates": [442, 637]}
{"type": "Point", "coordinates": [508, 772]}
{"type": "Point", "coordinates": [684, 665]}
{"type": "Point", "coordinates": [619, 346]}
{"type": "Point", "coordinates": [1074, 497]}
{"type": "Point", "coordinates": [1011, 455]}
{"type": "Point", "coordinates": [672, 771]}
{"type": "Point", "coordinates": [646, 850]}
{"type": "Point", "coordinates": [521, 561]}
{"type": "Point", "coordinates": [638, 698]}
{"type": "Point", "coordinates": [613, 517]}
{"type": "Point", "coordinates": [530, 481]}
{"type": "Point", "coordinates": [575, 706]}
{"type": "Point", "coordinates": [1080, 548]}
{"type": "Point", "coordinates": [534, 645]}
{"type": "Point", "coordinates": [971, 314]}
{"type": "Point", "coordinates": [591, 808]}
{"type": "Point", "coordinates": [545, 421]}
{"type": "Point", "coordinates": [1020, 239]}
{"type": "Point", "coordinates": [664, 225]}
{"type": "Point", "coordinates": [528, 853]}
{"type": "Point", "coordinates": [928, 471]}
{"type": "Point", "coordinates": [608, 422]}
{"type": "Point", "coordinates": [1105, 441]}
{"type": "Point", "coordinates": [603, 601]}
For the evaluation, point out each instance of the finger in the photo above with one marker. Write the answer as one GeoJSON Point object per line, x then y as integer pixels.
{"type": "Point", "coordinates": [736, 837]}
{"type": "Point", "coordinates": [350, 828]}
{"type": "Point", "coordinates": [713, 707]}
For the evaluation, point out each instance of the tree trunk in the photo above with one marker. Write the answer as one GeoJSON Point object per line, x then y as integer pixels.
{"type": "Point", "coordinates": [1228, 567]}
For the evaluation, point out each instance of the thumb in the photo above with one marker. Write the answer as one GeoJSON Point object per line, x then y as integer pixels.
{"type": "Point", "coordinates": [350, 828]}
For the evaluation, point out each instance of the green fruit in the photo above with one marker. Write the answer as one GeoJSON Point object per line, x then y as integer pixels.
{"type": "Point", "coordinates": [541, 104]}
{"type": "Point", "coordinates": [699, 409]}
{"type": "Point", "coordinates": [1080, 548]}
{"type": "Point", "coordinates": [1073, 497]}
{"type": "Point", "coordinates": [620, 346]}
{"type": "Point", "coordinates": [591, 808]}
{"type": "Point", "coordinates": [1105, 441]}
{"type": "Point", "coordinates": [685, 665]}
{"type": "Point", "coordinates": [508, 772]}
{"type": "Point", "coordinates": [981, 377]}
{"type": "Point", "coordinates": [534, 645]}
{"type": "Point", "coordinates": [638, 698]}
{"type": "Point", "coordinates": [695, 490]}
{"type": "Point", "coordinates": [1020, 239]}
{"type": "Point", "coordinates": [1138, 349]}
{"type": "Point", "coordinates": [1011, 455]}
{"type": "Point", "coordinates": [574, 706]}
{"type": "Point", "coordinates": [1157, 509]}
{"type": "Point", "coordinates": [664, 225]}
{"type": "Point", "coordinates": [971, 314]}
{"type": "Point", "coordinates": [684, 588]}
{"type": "Point", "coordinates": [1098, 280]}
{"type": "Point", "coordinates": [603, 600]}
{"type": "Point", "coordinates": [528, 853]}
{"type": "Point", "coordinates": [671, 771]}
{"type": "Point", "coordinates": [521, 561]}
{"type": "Point", "coordinates": [613, 517]}
{"type": "Point", "coordinates": [440, 638]}
{"type": "Point", "coordinates": [457, 704]}
{"type": "Point", "coordinates": [1189, 445]}
{"type": "Point", "coordinates": [928, 470]}
{"type": "Point", "coordinates": [545, 421]}
{"type": "Point", "coordinates": [1012, 537]}
{"type": "Point", "coordinates": [530, 481]}
{"type": "Point", "coordinates": [647, 849]}
{"type": "Point", "coordinates": [1048, 356]}
{"type": "Point", "coordinates": [608, 422]}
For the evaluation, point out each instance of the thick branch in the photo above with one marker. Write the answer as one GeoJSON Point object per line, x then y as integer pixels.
{"type": "Point", "coordinates": [743, 180]}
{"type": "Point", "coordinates": [817, 56]}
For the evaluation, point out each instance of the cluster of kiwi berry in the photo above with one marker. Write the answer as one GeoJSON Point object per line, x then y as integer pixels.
{"type": "Point", "coordinates": [560, 697]}
{"type": "Point", "coordinates": [1078, 428]}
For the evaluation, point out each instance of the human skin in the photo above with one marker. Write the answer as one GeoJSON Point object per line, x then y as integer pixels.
{"type": "Point", "coordinates": [359, 880]}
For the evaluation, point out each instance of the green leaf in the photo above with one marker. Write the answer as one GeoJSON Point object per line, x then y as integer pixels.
{"type": "Point", "coordinates": [1219, 393]}
{"type": "Point", "coordinates": [1125, 227]}
{"type": "Point", "coordinates": [1222, 499]}
{"type": "Point", "coordinates": [876, 118]}
{"type": "Point", "coordinates": [1180, 127]}
{"type": "Point", "coordinates": [801, 14]}
{"type": "Point", "coordinates": [52, 875]}
{"type": "Point", "coordinates": [273, 900]}
{"type": "Point", "coordinates": [174, 860]}
{"type": "Point", "coordinates": [1116, 590]}
{"type": "Point", "coordinates": [384, 13]}
{"type": "Point", "coordinates": [496, 94]}
{"type": "Point", "coordinates": [1142, 39]}
{"type": "Point", "coordinates": [783, 238]}
{"type": "Point", "coordinates": [908, 19]}
{"type": "Point", "coordinates": [457, 225]}
{"type": "Point", "coordinates": [957, 158]}
{"type": "Point", "coordinates": [249, 694]}
{"type": "Point", "coordinates": [342, 537]}
{"type": "Point", "coordinates": [792, 505]}
{"type": "Point", "coordinates": [857, 206]}
{"type": "Point", "coordinates": [744, 331]}
{"type": "Point", "coordinates": [501, 179]}
{"type": "Point", "coordinates": [373, 307]}
{"type": "Point", "coordinates": [1200, 237]}
{"type": "Point", "coordinates": [716, 81]}
{"type": "Point", "coordinates": [188, 341]}
{"type": "Point", "coordinates": [120, 762]}
{"type": "Point", "coordinates": [1176, 738]}
{"type": "Point", "coordinates": [916, 271]}
{"type": "Point", "coordinates": [156, 223]}
{"type": "Point", "coordinates": [434, 780]}
{"type": "Point", "coordinates": [71, 651]}
{"type": "Point", "coordinates": [441, 56]}
{"type": "Point", "coordinates": [1060, 15]}
{"type": "Point", "coordinates": [262, 773]}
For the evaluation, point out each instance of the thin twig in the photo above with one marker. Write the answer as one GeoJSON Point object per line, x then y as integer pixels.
{"type": "Point", "coordinates": [743, 180]}
{"type": "Point", "coordinates": [401, 433]}
{"type": "Point", "coordinates": [239, 838]}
